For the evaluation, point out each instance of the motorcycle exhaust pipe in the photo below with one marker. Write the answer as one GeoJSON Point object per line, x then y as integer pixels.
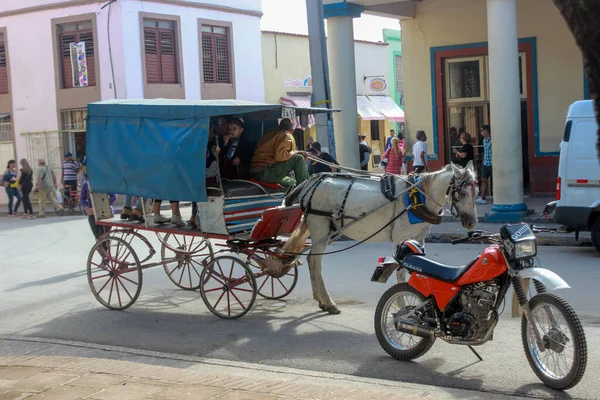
{"type": "Point", "coordinates": [415, 329]}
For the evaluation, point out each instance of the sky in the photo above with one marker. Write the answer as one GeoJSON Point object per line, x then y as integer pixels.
{"type": "Point", "coordinates": [290, 16]}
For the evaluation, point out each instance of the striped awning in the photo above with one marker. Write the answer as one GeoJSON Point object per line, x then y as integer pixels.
{"type": "Point", "coordinates": [298, 101]}
{"type": "Point", "coordinates": [366, 109]}
{"type": "Point", "coordinates": [388, 107]}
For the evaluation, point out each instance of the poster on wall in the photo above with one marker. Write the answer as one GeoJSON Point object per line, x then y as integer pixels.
{"type": "Point", "coordinates": [79, 65]}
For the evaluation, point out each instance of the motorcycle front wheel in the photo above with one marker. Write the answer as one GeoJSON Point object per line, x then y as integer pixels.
{"type": "Point", "coordinates": [562, 363]}
{"type": "Point", "coordinates": [397, 301]}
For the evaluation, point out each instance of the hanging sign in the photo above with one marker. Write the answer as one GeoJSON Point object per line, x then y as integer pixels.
{"type": "Point", "coordinates": [79, 65]}
{"type": "Point", "coordinates": [377, 84]}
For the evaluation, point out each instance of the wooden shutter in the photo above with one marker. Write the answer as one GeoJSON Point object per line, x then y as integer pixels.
{"type": "Point", "coordinates": [222, 58]}
{"type": "Point", "coordinates": [168, 62]}
{"type": "Point", "coordinates": [152, 57]}
{"type": "Point", "coordinates": [208, 58]}
{"type": "Point", "coordinates": [3, 69]}
{"type": "Point", "coordinates": [90, 49]}
{"type": "Point", "coordinates": [65, 49]}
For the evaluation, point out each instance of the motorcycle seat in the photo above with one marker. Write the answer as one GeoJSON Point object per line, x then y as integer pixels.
{"type": "Point", "coordinates": [434, 269]}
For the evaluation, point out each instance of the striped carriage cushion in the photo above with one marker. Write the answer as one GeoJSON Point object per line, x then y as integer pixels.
{"type": "Point", "coordinates": [242, 213]}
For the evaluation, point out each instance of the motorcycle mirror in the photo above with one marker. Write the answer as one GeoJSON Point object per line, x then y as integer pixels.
{"type": "Point", "coordinates": [550, 207]}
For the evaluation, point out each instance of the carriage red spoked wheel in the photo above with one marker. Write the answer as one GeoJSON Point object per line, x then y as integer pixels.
{"type": "Point", "coordinates": [228, 287]}
{"type": "Point", "coordinates": [114, 273]}
{"type": "Point", "coordinates": [272, 288]}
{"type": "Point", "coordinates": [184, 258]}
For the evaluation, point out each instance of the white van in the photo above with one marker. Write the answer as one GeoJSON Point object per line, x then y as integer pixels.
{"type": "Point", "coordinates": [578, 182]}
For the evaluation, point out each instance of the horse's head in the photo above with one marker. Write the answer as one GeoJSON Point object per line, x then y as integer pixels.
{"type": "Point", "coordinates": [462, 193]}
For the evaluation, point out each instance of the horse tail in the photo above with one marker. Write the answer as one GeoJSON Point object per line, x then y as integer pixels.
{"type": "Point", "coordinates": [292, 198]}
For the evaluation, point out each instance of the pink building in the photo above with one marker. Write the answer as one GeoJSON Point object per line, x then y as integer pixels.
{"type": "Point", "coordinates": [56, 56]}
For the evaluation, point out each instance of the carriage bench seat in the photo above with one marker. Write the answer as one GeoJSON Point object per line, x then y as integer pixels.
{"type": "Point", "coordinates": [244, 188]}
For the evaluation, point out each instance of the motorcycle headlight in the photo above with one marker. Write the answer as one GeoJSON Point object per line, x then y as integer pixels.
{"type": "Point", "coordinates": [525, 249]}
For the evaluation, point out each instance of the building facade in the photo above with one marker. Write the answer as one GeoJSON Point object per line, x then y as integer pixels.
{"type": "Point", "coordinates": [287, 77]}
{"type": "Point", "coordinates": [396, 88]}
{"type": "Point", "coordinates": [57, 56]}
{"type": "Point", "coordinates": [449, 82]}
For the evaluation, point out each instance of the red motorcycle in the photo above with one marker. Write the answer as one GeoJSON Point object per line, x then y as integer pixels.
{"type": "Point", "coordinates": [460, 305]}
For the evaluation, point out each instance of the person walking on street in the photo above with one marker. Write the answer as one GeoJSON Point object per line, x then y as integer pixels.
{"type": "Point", "coordinates": [388, 143]}
{"type": "Point", "coordinates": [276, 156]}
{"type": "Point", "coordinates": [70, 168]}
{"type": "Point", "coordinates": [393, 157]}
{"type": "Point", "coordinates": [45, 186]}
{"type": "Point", "coordinates": [364, 151]}
{"type": "Point", "coordinates": [486, 169]}
{"type": "Point", "coordinates": [25, 179]}
{"type": "Point", "coordinates": [420, 153]}
{"type": "Point", "coordinates": [11, 184]}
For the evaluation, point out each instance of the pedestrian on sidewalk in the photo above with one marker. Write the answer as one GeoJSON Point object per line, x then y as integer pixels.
{"type": "Point", "coordinates": [45, 187]}
{"type": "Point", "coordinates": [486, 169]}
{"type": "Point", "coordinates": [464, 154]}
{"type": "Point", "coordinates": [364, 152]}
{"type": "Point", "coordinates": [25, 179]}
{"type": "Point", "coordinates": [70, 168]}
{"type": "Point", "coordinates": [420, 153]}
{"type": "Point", "coordinates": [11, 187]}
{"type": "Point", "coordinates": [393, 157]}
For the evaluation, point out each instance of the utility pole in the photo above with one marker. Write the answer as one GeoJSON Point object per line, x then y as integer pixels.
{"type": "Point", "coordinates": [321, 94]}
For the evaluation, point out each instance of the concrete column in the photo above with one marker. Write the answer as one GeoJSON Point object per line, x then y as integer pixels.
{"type": "Point", "coordinates": [340, 49]}
{"type": "Point", "coordinates": [505, 112]}
{"type": "Point", "coordinates": [319, 67]}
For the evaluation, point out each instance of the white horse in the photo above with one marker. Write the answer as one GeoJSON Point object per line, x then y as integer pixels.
{"type": "Point", "coordinates": [333, 201]}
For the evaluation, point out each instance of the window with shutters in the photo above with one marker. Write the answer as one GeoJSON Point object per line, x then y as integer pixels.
{"type": "Point", "coordinates": [3, 66]}
{"type": "Point", "coordinates": [77, 70]}
{"type": "Point", "coordinates": [216, 61]}
{"type": "Point", "coordinates": [160, 52]}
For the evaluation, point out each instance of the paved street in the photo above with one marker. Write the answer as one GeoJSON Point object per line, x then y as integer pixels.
{"type": "Point", "coordinates": [44, 293]}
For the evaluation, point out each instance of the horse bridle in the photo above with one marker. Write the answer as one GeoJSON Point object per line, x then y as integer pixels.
{"type": "Point", "coordinates": [454, 191]}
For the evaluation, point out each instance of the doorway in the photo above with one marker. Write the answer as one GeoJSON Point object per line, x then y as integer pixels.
{"type": "Point", "coordinates": [525, 146]}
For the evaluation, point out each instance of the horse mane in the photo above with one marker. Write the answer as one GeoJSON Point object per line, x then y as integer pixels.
{"type": "Point", "coordinates": [466, 174]}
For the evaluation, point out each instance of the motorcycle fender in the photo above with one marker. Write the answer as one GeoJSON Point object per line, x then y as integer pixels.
{"type": "Point", "coordinates": [383, 272]}
{"type": "Point", "coordinates": [548, 278]}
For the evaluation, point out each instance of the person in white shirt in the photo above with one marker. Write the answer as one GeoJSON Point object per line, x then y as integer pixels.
{"type": "Point", "coordinates": [420, 153]}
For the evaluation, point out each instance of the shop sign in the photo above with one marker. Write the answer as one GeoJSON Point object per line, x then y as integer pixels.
{"type": "Point", "coordinates": [377, 85]}
{"type": "Point", "coordinates": [298, 83]}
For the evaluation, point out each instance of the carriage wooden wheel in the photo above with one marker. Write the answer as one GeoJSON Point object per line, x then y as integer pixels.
{"type": "Point", "coordinates": [184, 257]}
{"type": "Point", "coordinates": [228, 287]}
{"type": "Point", "coordinates": [114, 273]}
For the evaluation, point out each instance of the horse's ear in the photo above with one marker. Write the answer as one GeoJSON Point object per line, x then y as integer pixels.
{"type": "Point", "coordinates": [456, 170]}
{"type": "Point", "coordinates": [470, 166]}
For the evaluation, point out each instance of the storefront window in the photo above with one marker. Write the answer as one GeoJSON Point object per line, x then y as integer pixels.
{"type": "Point", "coordinates": [465, 78]}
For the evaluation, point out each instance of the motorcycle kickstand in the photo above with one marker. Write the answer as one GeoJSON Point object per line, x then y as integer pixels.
{"type": "Point", "coordinates": [475, 352]}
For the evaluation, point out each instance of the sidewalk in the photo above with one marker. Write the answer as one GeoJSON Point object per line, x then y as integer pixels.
{"type": "Point", "coordinates": [77, 372]}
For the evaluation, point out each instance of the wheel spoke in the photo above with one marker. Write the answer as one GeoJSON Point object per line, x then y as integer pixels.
{"type": "Point", "coordinates": [238, 300]}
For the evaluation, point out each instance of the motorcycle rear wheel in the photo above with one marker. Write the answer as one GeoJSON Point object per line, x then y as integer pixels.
{"type": "Point", "coordinates": [389, 338]}
{"type": "Point", "coordinates": [564, 340]}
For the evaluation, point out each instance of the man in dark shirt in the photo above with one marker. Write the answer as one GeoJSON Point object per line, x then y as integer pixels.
{"type": "Point", "coordinates": [364, 152]}
{"type": "Point", "coordinates": [315, 167]}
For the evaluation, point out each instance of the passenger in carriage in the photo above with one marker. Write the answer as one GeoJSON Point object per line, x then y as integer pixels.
{"type": "Point", "coordinates": [158, 218]}
{"type": "Point", "coordinates": [233, 156]}
{"type": "Point", "coordinates": [276, 156]}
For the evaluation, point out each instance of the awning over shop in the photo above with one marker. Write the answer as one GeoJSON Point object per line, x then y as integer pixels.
{"type": "Point", "coordinates": [298, 101]}
{"type": "Point", "coordinates": [388, 107]}
{"type": "Point", "coordinates": [367, 110]}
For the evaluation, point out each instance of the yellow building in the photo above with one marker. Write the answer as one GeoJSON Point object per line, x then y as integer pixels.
{"type": "Point", "coordinates": [287, 77]}
{"type": "Point", "coordinates": [446, 65]}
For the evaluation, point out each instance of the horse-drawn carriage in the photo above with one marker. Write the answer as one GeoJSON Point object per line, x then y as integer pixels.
{"type": "Point", "coordinates": [157, 149]}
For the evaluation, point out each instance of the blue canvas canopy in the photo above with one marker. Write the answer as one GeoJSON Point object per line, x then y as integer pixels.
{"type": "Point", "coordinates": [157, 148]}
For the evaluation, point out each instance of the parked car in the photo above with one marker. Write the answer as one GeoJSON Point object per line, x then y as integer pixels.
{"type": "Point", "coordinates": [578, 182]}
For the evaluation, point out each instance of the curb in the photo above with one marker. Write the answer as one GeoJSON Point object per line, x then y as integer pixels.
{"type": "Point", "coordinates": [274, 380]}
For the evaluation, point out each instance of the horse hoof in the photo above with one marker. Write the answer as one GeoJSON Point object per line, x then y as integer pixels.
{"type": "Point", "coordinates": [333, 310]}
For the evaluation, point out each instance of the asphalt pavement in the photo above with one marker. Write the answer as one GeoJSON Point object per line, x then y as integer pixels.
{"type": "Point", "coordinates": [44, 293]}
